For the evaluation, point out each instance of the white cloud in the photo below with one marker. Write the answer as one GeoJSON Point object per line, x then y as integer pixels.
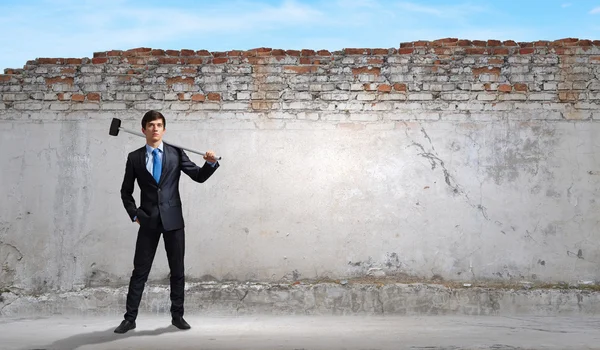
{"type": "Point", "coordinates": [442, 11]}
{"type": "Point", "coordinates": [595, 10]}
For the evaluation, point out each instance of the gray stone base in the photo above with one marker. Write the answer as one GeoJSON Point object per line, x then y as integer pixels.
{"type": "Point", "coordinates": [212, 298]}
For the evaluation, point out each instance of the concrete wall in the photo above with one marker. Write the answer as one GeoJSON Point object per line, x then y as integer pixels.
{"type": "Point", "coordinates": [449, 159]}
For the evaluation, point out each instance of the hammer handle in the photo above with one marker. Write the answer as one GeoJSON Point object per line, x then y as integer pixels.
{"type": "Point", "coordinates": [172, 144]}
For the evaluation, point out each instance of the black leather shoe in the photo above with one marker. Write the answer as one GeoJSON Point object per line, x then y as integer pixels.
{"type": "Point", "coordinates": [125, 326]}
{"type": "Point", "coordinates": [180, 323]}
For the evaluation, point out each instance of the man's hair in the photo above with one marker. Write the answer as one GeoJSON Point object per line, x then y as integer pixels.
{"type": "Point", "coordinates": [151, 116]}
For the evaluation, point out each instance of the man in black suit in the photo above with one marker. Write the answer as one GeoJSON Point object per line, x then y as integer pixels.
{"type": "Point", "coordinates": [157, 167]}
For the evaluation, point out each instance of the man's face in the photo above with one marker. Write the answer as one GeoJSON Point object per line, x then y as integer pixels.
{"type": "Point", "coordinates": [154, 131]}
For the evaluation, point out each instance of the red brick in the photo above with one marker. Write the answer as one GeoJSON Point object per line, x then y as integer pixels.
{"type": "Point", "coordinates": [594, 59]}
{"type": "Point", "coordinates": [568, 96]}
{"type": "Point", "coordinates": [500, 51]}
{"type": "Point", "coordinates": [305, 60]}
{"type": "Point", "coordinates": [249, 53]}
{"type": "Point", "coordinates": [405, 51]}
{"type": "Point", "coordinates": [256, 60]}
{"type": "Point", "coordinates": [585, 43]}
{"type": "Point", "coordinates": [400, 87]}
{"type": "Point", "coordinates": [526, 51]}
{"type": "Point", "coordinates": [379, 51]}
{"type": "Point", "coordinates": [356, 51]}
{"type": "Point", "coordinates": [421, 43]}
{"type": "Point", "coordinates": [68, 70]}
{"type": "Point", "coordinates": [186, 52]}
{"type": "Point", "coordinates": [278, 52]}
{"type": "Point", "coordinates": [137, 60]}
{"type": "Point", "coordinates": [495, 61]}
{"type": "Point", "coordinates": [479, 43]}
{"type": "Point", "coordinates": [486, 70]}
{"type": "Point", "coordinates": [323, 53]}
{"type": "Point", "coordinates": [369, 87]}
{"type": "Point", "coordinates": [510, 43]}
{"type": "Point", "coordinates": [493, 43]}
{"type": "Point", "coordinates": [99, 60]}
{"type": "Point", "coordinates": [505, 88]}
{"type": "Point", "coordinates": [198, 98]}
{"type": "Point", "coordinates": [464, 43]}
{"type": "Point", "coordinates": [194, 60]}
{"type": "Point", "coordinates": [50, 60]}
{"type": "Point", "coordinates": [213, 96]}
{"type": "Point", "coordinates": [292, 53]}
{"type": "Point", "coordinates": [59, 80]}
{"type": "Point", "coordinates": [157, 52]}
{"type": "Point", "coordinates": [520, 87]}
{"type": "Point", "coordinates": [442, 51]}
{"type": "Point", "coordinates": [189, 70]}
{"type": "Point", "coordinates": [476, 50]}
{"type": "Point", "coordinates": [114, 53]}
{"type": "Point", "coordinates": [234, 53]}
{"type": "Point", "coordinates": [93, 96]}
{"type": "Point", "coordinates": [73, 60]}
{"type": "Point", "coordinates": [169, 60]}
{"type": "Point", "coordinates": [141, 49]}
{"type": "Point", "coordinates": [366, 70]}
{"type": "Point", "coordinates": [202, 53]}
{"type": "Point", "coordinates": [129, 53]}
{"type": "Point", "coordinates": [60, 96]}
{"type": "Point", "coordinates": [566, 42]}
{"type": "Point", "coordinates": [375, 61]}
{"type": "Point", "coordinates": [181, 96]}
{"type": "Point", "coordinates": [99, 54]}
{"type": "Point", "coordinates": [219, 53]}
{"type": "Point", "coordinates": [445, 42]}
{"type": "Point", "coordinates": [406, 45]}
{"type": "Point", "coordinates": [173, 53]}
{"type": "Point", "coordinates": [78, 97]}
{"type": "Point", "coordinates": [263, 51]}
{"type": "Point", "coordinates": [220, 60]}
{"type": "Point", "coordinates": [525, 44]}
{"type": "Point", "coordinates": [306, 52]}
{"type": "Point", "coordinates": [180, 80]}
{"type": "Point", "coordinates": [299, 69]}
{"type": "Point", "coordinates": [5, 77]}
{"type": "Point", "coordinates": [541, 43]}
{"type": "Point", "coordinates": [384, 88]}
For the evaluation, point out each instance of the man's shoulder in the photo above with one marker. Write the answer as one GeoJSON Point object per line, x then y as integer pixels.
{"type": "Point", "coordinates": [137, 151]}
{"type": "Point", "coordinates": [169, 148]}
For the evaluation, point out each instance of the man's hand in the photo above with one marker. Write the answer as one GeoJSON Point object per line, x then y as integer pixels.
{"type": "Point", "coordinates": [210, 157]}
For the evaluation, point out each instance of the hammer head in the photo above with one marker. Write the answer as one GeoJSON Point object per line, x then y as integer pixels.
{"type": "Point", "coordinates": [114, 127]}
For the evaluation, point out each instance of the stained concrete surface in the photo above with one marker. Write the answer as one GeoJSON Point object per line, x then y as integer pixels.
{"type": "Point", "coordinates": [303, 332]}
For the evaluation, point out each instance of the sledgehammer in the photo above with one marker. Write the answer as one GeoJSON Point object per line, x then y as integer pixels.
{"type": "Point", "coordinates": [115, 126]}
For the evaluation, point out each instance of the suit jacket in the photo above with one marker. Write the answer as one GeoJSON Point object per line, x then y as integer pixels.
{"type": "Point", "coordinates": [160, 200]}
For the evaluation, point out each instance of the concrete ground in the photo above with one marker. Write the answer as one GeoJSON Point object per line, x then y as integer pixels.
{"type": "Point", "coordinates": [303, 332]}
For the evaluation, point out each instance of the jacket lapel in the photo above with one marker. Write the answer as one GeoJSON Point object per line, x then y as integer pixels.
{"type": "Point", "coordinates": [142, 160]}
{"type": "Point", "coordinates": [166, 150]}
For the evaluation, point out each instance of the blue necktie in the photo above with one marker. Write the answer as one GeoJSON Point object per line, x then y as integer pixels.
{"type": "Point", "coordinates": [156, 165]}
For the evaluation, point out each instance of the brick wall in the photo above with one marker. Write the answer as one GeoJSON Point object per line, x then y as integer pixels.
{"type": "Point", "coordinates": [447, 79]}
{"type": "Point", "coordinates": [452, 158]}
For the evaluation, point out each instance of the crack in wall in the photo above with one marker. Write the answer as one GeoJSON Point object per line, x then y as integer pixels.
{"type": "Point", "coordinates": [435, 160]}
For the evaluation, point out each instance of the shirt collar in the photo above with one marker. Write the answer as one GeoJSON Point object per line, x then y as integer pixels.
{"type": "Point", "coordinates": [149, 148]}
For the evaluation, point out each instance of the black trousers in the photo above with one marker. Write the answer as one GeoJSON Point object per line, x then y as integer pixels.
{"type": "Point", "coordinates": [145, 249]}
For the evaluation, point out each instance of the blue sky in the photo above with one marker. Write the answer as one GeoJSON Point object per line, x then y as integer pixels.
{"type": "Point", "coordinates": [62, 28]}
